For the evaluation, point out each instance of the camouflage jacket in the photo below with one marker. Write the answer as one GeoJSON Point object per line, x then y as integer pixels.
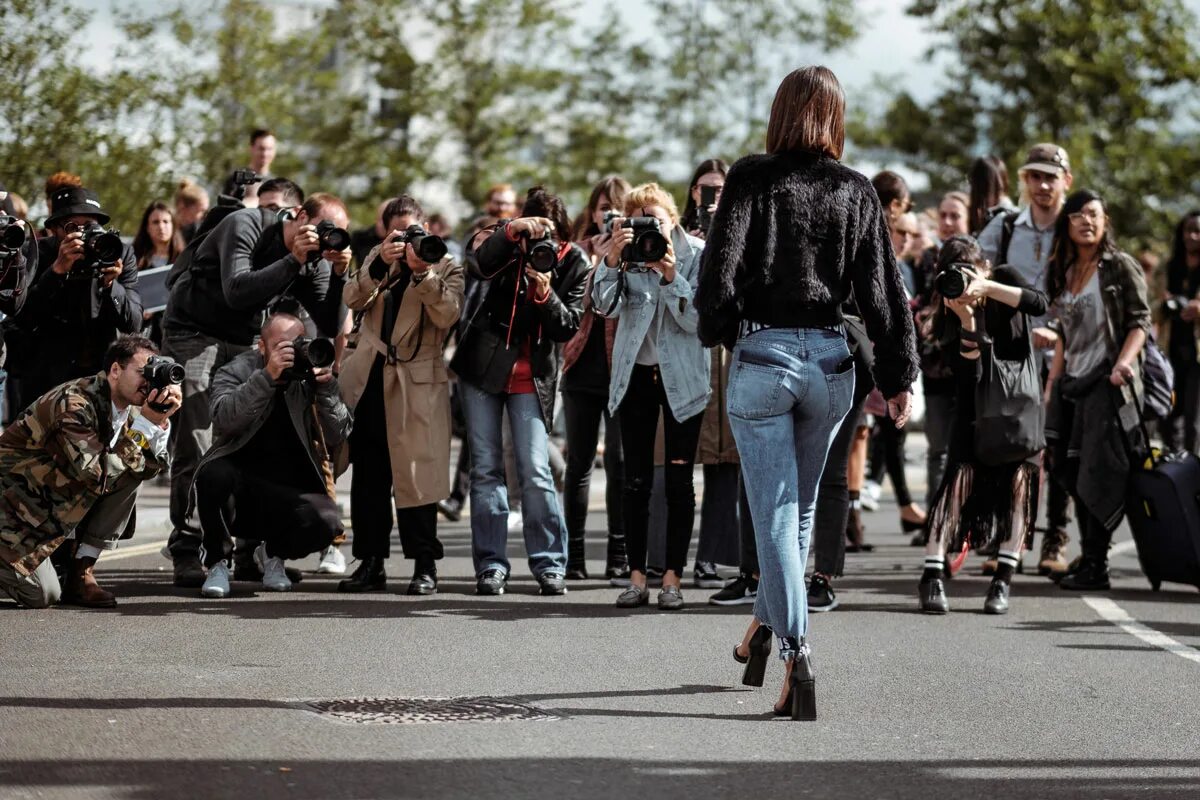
{"type": "Point", "coordinates": [55, 463]}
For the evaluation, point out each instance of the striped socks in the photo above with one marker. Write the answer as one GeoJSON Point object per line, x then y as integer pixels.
{"type": "Point", "coordinates": [935, 567]}
{"type": "Point", "coordinates": [1007, 564]}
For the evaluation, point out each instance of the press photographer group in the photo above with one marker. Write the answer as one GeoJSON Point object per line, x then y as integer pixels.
{"type": "Point", "coordinates": [773, 332]}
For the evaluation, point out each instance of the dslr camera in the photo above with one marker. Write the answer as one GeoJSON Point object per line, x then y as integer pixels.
{"type": "Point", "coordinates": [952, 282]}
{"type": "Point", "coordinates": [648, 245]}
{"type": "Point", "coordinates": [101, 248]}
{"type": "Point", "coordinates": [310, 354]}
{"type": "Point", "coordinates": [241, 179]}
{"type": "Point", "coordinates": [330, 237]}
{"type": "Point", "coordinates": [161, 372]}
{"type": "Point", "coordinates": [429, 248]}
{"type": "Point", "coordinates": [12, 236]}
{"type": "Point", "coordinates": [541, 254]}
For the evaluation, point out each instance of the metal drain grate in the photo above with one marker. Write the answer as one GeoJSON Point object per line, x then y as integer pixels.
{"type": "Point", "coordinates": [422, 710]}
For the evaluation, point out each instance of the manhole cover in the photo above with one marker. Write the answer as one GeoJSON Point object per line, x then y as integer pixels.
{"type": "Point", "coordinates": [419, 710]}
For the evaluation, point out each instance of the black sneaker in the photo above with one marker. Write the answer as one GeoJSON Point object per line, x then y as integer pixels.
{"type": "Point", "coordinates": [491, 582]}
{"type": "Point", "coordinates": [705, 575]}
{"type": "Point", "coordinates": [742, 590]}
{"type": "Point", "coordinates": [550, 584]}
{"type": "Point", "coordinates": [821, 596]}
{"type": "Point", "coordinates": [1090, 576]}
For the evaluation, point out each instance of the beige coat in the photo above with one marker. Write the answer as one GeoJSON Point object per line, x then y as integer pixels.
{"type": "Point", "coordinates": [415, 388]}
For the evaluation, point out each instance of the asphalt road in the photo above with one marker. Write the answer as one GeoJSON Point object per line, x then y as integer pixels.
{"type": "Point", "coordinates": [172, 696]}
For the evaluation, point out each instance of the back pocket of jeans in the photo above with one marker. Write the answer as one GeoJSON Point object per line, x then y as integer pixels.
{"type": "Point", "coordinates": [756, 385]}
{"type": "Point", "coordinates": [841, 389]}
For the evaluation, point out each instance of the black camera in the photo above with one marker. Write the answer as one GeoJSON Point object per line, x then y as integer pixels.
{"type": "Point", "coordinates": [309, 354]}
{"type": "Point", "coordinates": [541, 254]}
{"type": "Point", "coordinates": [161, 372]}
{"type": "Point", "coordinates": [329, 237]}
{"type": "Point", "coordinates": [101, 248]}
{"type": "Point", "coordinates": [429, 248]}
{"type": "Point", "coordinates": [12, 236]}
{"type": "Point", "coordinates": [951, 282]}
{"type": "Point", "coordinates": [242, 178]}
{"type": "Point", "coordinates": [1174, 306]}
{"type": "Point", "coordinates": [648, 245]}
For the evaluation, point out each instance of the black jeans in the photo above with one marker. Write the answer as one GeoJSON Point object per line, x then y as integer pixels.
{"type": "Point", "coordinates": [720, 516]}
{"type": "Point", "coordinates": [888, 454]}
{"type": "Point", "coordinates": [833, 506]}
{"type": "Point", "coordinates": [583, 412]}
{"type": "Point", "coordinates": [1094, 538]}
{"type": "Point", "coordinates": [294, 521]}
{"type": "Point", "coordinates": [371, 487]}
{"type": "Point", "coordinates": [639, 423]}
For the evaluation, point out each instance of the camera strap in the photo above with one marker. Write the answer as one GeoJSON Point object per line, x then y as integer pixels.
{"type": "Point", "coordinates": [390, 312]}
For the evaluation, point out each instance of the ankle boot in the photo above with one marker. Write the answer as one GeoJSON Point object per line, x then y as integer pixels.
{"type": "Point", "coordinates": [1053, 561]}
{"type": "Point", "coordinates": [1092, 575]}
{"type": "Point", "coordinates": [81, 588]}
{"type": "Point", "coordinates": [368, 576]}
{"type": "Point", "coordinates": [424, 579]}
{"type": "Point", "coordinates": [801, 703]}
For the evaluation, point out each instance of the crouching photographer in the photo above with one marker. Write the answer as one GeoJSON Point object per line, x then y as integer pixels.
{"type": "Point", "coordinates": [410, 292]}
{"type": "Point", "coordinates": [262, 479]}
{"type": "Point", "coordinates": [508, 360]}
{"type": "Point", "coordinates": [71, 466]}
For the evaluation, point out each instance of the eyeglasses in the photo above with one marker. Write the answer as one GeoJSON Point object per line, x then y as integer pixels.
{"type": "Point", "coordinates": [1091, 216]}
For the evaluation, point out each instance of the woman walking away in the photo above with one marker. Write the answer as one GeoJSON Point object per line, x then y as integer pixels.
{"type": "Point", "coordinates": [1099, 293]}
{"type": "Point", "coordinates": [794, 233]}
{"type": "Point", "coordinates": [991, 496]}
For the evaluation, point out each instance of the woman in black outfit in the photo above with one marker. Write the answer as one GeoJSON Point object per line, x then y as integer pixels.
{"type": "Point", "coordinates": [1180, 333]}
{"type": "Point", "coordinates": [990, 504]}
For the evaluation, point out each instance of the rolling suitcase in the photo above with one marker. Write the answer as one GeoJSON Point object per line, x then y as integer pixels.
{"type": "Point", "coordinates": [1164, 512]}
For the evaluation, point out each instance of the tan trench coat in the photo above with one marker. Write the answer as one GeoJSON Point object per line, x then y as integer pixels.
{"type": "Point", "coordinates": [415, 389]}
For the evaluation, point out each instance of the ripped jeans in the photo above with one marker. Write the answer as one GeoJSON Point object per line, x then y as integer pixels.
{"type": "Point", "coordinates": [639, 412]}
{"type": "Point", "coordinates": [789, 392]}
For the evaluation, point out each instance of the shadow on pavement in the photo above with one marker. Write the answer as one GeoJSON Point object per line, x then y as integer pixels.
{"type": "Point", "coordinates": [595, 778]}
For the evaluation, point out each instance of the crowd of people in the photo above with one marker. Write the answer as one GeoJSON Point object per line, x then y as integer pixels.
{"type": "Point", "coordinates": [772, 331]}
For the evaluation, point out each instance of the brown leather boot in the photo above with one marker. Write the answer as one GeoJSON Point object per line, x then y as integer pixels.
{"type": "Point", "coordinates": [81, 588]}
{"type": "Point", "coordinates": [1054, 553]}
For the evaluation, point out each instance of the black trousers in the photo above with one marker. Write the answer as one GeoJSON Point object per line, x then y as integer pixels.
{"type": "Point", "coordinates": [639, 413]}
{"type": "Point", "coordinates": [583, 412]}
{"type": "Point", "coordinates": [294, 521]}
{"type": "Point", "coordinates": [888, 454]}
{"type": "Point", "coordinates": [371, 487]}
{"type": "Point", "coordinates": [833, 506]}
{"type": "Point", "coordinates": [1094, 538]}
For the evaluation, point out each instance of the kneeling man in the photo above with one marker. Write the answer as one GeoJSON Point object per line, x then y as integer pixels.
{"type": "Point", "coordinates": [70, 466]}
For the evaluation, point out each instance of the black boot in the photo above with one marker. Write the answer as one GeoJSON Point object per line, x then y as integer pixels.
{"type": "Point", "coordinates": [368, 576]}
{"type": "Point", "coordinates": [424, 580]}
{"type": "Point", "coordinates": [1091, 575]}
{"type": "Point", "coordinates": [997, 597]}
{"type": "Point", "coordinates": [576, 560]}
{"type": "Point", "coordinates": [932, 597]}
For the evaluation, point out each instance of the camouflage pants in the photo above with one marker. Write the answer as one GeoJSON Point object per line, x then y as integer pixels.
{"type": "Point", "coordinates": [39, 590]}
{"type": "Point", "coordinates": [191, 428]}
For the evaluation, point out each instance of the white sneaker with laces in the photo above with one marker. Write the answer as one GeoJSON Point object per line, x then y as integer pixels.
{"type": "Point", "coordinates": [332, 561]}
{"type": "Point", "coordinates": [275, 577]}
{"type": "Point", "coordinates": [216, 585]}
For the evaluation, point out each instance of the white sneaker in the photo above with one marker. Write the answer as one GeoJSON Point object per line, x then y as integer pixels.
{"type": "Point", "coordinates": [275, 577]}
{"type": "Point", "coordinates": [332, 561]}
{"type": "Point", "coordinates": [867, 502]}
{"type": "Point", "coordinates": [873, 490]}
{"type": "Point", "coordinates": [516, 522]}
{"type": "Point", "coordinates": [216, 585]}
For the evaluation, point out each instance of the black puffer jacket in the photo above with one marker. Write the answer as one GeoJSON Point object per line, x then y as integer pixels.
{"type": "Point", "coordinates": [794, 235]}
{"type": "Point", "coordinates": [506, 317]}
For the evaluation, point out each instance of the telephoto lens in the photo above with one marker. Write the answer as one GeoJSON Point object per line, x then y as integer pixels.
{"type": "Point", "coordinates": [330, 237]}
{"type": "Point", "coordinates": [543, 255]}
{"type": "Point", "coordinates": [101, 248]}
{"type": "Point", "coordinates": [309, 354]}
{"type": "Point", "coordinates": [161, 372]}
{"type": "Point", "coordinates": [12, 235]}
{"type": "Point", "coordinates": [429, 248]}
{"type": "Point", "coordinates": [951, 282]}
{"type": "Point", "coordinates": [648, 245]}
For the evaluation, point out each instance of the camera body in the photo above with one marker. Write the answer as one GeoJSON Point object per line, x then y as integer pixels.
{"type": "Point", "coordinates": [648, 243]}
{"type": "Point", "coordinates": [951, 282]}
{"type": "Point", "coordinates": [12, 236]}
{"type": "Point", "coordinates": [310, 354]}
{"type": "Point", "coordinates": [161, 372]}
{"type": "Point", "coordinates": [429, 248]}
{"type": "Point", "coordinates": [241, 179]}
{"type": "Point", "coordinates": [541, 254]}
{"type": "Point", "coordinates": [101, 248]}
{"type": "Point", "coordinates": [329, 237]}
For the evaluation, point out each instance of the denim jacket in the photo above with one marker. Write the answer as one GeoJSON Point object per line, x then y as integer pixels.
{"type": "Point", "coordinates": [640, 303]}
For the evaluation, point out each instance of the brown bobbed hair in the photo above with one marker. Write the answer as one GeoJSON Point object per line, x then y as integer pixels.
{"type": "Point", "coordinates": [614, 187]}
{"type": "Point", "coordinates": [808, 114]}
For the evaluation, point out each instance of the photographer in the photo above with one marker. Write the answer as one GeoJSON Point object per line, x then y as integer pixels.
{"type": "Point", "coordinates": [83, 295]}
{"type": "Point", "coordinates": [262, 154]}
{"type": "Point", "coordinates": [262, 479]}
{"type": "Point", "coordinates": [704, 192]}
{"type": "Point", "coordinates": [18, 263]}
{"type": "Point", "coordinates": [658, 364]}
{"type": "Point", "coordinates": [508, 360]}
{"type": "Point", "coordinates": [251, 260]}
{"type": "Point", "coordinates": [983, 497]}
{"type": "Point", "coordinates": [71, 465]}
{"type": "Point", "coordinates": [395, 381]}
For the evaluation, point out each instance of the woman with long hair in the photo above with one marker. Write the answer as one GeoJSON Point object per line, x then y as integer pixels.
{"type": "Point", "coordinates": [992, 504]}
{"type": "Point", "coordinates": [988, 181]}
{"type": "Point", "coordinates": [708, 177]}
{"type": "Point", "coordinates": [587, 360]}
{"type": "Point", "coordinates": [158, 241]}
{"type": "Point", "coordinates": [1180, 326]}
{"type": "Point", "coordinates": [795, 233]}
{"type": "Point", "coordinates": [1099, 294]}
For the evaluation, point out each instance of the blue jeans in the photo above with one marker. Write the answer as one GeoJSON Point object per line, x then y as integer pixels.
{"type": "Point", "coordinates": [789, 391]}
{"type": "Point", "coordinates": [545, 528]}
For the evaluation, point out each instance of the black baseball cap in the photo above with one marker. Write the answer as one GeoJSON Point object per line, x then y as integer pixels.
{"type": "Point", "coordinates": [75, 202]}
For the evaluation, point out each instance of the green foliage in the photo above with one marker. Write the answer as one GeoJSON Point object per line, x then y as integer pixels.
{"type": "Point", "coordinates": [1109, 80]}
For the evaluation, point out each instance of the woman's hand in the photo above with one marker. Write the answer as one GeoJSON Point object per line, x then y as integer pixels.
{"type": "Point", "coordinates": [900, 408]}
{"type": "Point", "coordinates": [392, 250]}
{"type": "Point", "coordinates": [962, 306]}
{"type": "Point", "coordinates": [539, 284]}
{"type": "Point", "coordinates": [1122, 374]}
{"type": "Point", "coordinates": [977, 285]}
{"type": "Point", "coordinates": [621, 238]}
{"type": "Point", "coordinates": [531, 227]}
{"type": "Point", "coordinates": [666, 265]}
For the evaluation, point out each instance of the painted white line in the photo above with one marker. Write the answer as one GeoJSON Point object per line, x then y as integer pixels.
{"type": "Point", "coordinates": [132, 552]}
{"type": "Point", "coordinates": [1123, 547]}
{"type": "Point", "coordinates": [1118, 616]}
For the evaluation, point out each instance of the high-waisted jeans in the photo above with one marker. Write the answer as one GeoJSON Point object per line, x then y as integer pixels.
{"type": "Point", "coordinates": [789, 391]}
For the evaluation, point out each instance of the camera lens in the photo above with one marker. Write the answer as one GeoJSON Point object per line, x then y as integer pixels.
{"type": "Point", "coordinates": [320, 353]}
{"type": "Point", "coordinates": [175, 374]}
{"type": "Point", "coordinates": [333, 238]}
{"type": "Point", "coordinates": [13, 236]}
{"type": "Point", "coordinates": [951, 284]}
{"type": "Point", "coordinates": [430, 249]}
{"type": "Point", "coordinates": [649, 246]}
{"type": "Point", "coordinates": [543, 256]}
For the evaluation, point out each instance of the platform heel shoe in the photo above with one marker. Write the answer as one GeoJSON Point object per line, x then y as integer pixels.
{"type": "Point", "coordinates": [756, 662]}
{"type": "Point", "coordinates": [801, 703]}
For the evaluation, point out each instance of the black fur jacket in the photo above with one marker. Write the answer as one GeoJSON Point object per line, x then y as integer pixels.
{"type": "Point", "coordinates": [795, 235]}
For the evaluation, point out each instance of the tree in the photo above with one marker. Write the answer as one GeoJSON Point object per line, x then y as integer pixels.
{"type": "Point", "coordinates": [1109, 80]}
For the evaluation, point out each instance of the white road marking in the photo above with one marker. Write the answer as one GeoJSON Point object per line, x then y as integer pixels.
{"type": "Point", "coordinates": [132, 552]}
{"type": "Point", "coordinates": [1118, 616]}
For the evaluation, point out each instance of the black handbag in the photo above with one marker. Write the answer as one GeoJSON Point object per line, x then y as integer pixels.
{"type": "Point", "coordinates": [1010, 418]}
